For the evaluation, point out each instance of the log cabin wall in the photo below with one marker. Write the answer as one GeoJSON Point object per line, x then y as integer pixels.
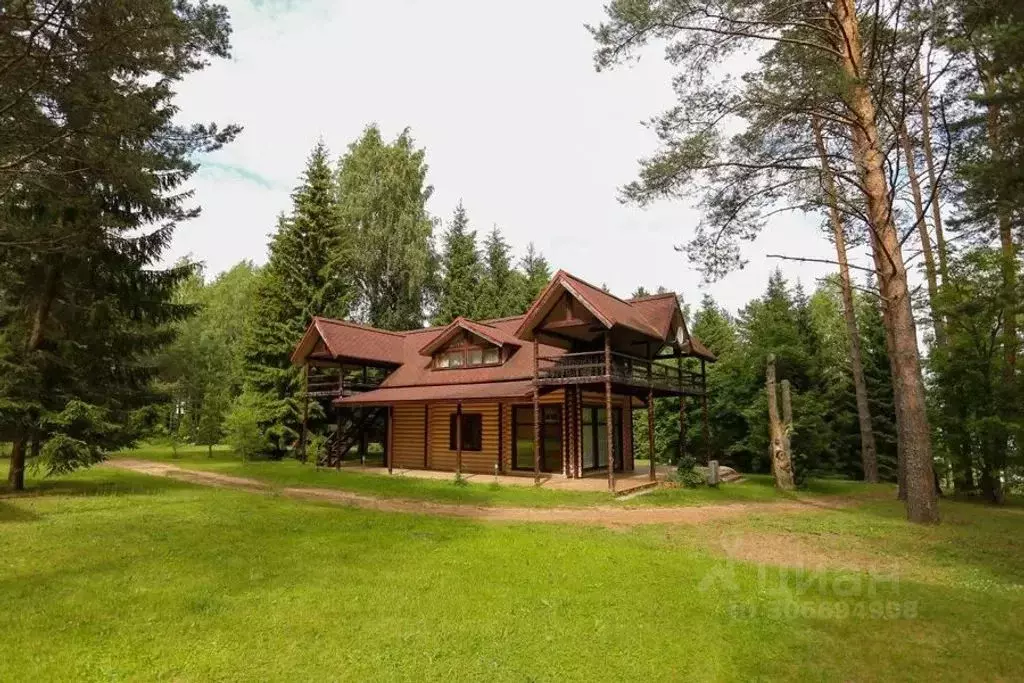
{"type": "Point", "coordinates": [409, 431]}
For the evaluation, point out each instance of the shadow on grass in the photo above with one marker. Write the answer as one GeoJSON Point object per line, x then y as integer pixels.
{"type": "Point", "coordinates": [14, 513]}
{"type": "Point", "coordinates": [94, 483]}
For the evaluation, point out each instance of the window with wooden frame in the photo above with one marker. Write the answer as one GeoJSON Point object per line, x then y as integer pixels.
{"type": "Point", "coordinates": [467, 356]}
{"type": "Point", "coordinates": [472, 432]}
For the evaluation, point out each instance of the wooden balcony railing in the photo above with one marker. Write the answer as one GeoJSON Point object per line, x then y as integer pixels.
{"type": "Point", "coordinates": [329, 385]}
{"type": "Point", "coordinates": [588, 367]}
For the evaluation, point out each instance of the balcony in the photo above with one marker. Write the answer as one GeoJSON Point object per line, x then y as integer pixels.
{"type": "Point", "coordinates": [329, 384]}
{"type": "Point", "coordinates": [589, 368]}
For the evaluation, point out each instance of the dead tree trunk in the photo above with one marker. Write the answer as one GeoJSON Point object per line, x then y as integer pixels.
{"type": "Point", "coordinates": [913, 432]}
{"type": "Point", "coordinates": [787, 421]}
{"type": "Point", "coordinates": [782, 467]}
{"type": "Point", "coordinates": [868, 448]}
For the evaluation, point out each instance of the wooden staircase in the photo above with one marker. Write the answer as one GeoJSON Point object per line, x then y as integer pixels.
{"type": "Point", "coordinates": [358, 425]}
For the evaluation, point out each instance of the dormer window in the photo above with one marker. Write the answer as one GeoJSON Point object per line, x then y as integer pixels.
{"type": "Point", "coordinates": [466, 344]}
{"type": "Point", "coordinates": [467, 357]}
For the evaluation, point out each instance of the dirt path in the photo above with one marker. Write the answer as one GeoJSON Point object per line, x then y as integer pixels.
{"type": "Point", "coordinates": [597, 515]}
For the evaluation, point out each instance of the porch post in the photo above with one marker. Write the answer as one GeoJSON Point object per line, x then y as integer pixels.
{"type": "Point", "coordinates": [458, 439]}
{"type": "Point", "coordinates": [705, 429]}
{"type": "Point", "coordinates": [426, 436]}
{"type": "Point", "coordinates": [305, 411]}
{"type": "Point", "coordinates": [536, 414]}
{"type": "Point", "coordinates": [682, 410]}
{"type": "Point", "coordinates": [579, 426]}
{"type": "Point", "coordinates": [609, 421]}
{"type": "Point", "coordinates": [390, 448]}
{"type": "Point", "coordinates": [650, 430]}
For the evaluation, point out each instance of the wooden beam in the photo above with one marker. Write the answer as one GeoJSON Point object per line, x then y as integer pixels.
{"type": "Point", "coordinates": [426, 437]}
{"type": "Point", "coordinates": [458, 439]}
{"type": "Point", "coordinates": [390, 447]}
{"type": "Point", "coordinates": [305, 411]}
{"type": "Point", "coordinates": [682, 410]}
{"type": "Point", "coordinates": [501, 436]}
{"type": "Point", "coordinates": [650, 430]}
{"type": "Point", "coordinates": [609, 421]}
{"type": "Point", "coordinates": [705, 427]}
{"type": "Point", "coordinates": [536, 415]}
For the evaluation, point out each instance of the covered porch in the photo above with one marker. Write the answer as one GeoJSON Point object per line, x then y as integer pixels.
{"type": "Point", "coordinates": [627, 483]}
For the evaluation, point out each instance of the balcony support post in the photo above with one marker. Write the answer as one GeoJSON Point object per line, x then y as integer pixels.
{"type": "Point", "coordinates": [609, 418]}
{"type": "Point", "coordinates": [705, 428]}
{"type": "Point", "coordinates": [682, 409]}
{"type": "Point", "coordinates": [536, 415]}
{"type": "Point", "coordinates": [305, 411]}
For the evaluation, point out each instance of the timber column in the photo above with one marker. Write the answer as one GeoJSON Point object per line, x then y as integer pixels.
{"type": "Point", "coordinates": [305, 411]}
{"type": "Point", "coordinates": [705, 429]}
{"type": "Point", "coordinates": [650, 430]}
{"type": "Point", "coordinates": [682, 409]}
{"type": "Point", "coordinates": [609, 421]}
{"type": "Point", "coordinates": [536, 414]}
{"type": "Point", "coordinates": [458, 439]}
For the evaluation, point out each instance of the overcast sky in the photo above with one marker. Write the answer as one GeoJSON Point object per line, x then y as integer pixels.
{"type": "Point", "coordinates": [504, 98]}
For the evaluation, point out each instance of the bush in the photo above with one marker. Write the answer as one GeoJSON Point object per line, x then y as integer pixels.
{"type": "Point", "coordinates": [242, 427]}
{"type": "Point", "coordinates": [687, 474]}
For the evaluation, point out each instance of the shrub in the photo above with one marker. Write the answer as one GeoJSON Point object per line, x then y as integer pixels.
{"type": "Point", "coordinates": [242, 427]}
{"type": "Point", "coordinates": [687, 474]}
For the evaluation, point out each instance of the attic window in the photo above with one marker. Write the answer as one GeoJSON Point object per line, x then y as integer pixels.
{"type": "Point", "coordinates": [467, 357]}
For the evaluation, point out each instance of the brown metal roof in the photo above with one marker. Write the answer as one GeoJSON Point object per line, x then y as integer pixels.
{"type": "Point", "coordinates": [350, 340]}
{"type": "Point", "coordinates": [654, 317]}
{"type": "Point", "coordinates": [494, 335]}
{"type": "Point", "coordinates": [436, 393]}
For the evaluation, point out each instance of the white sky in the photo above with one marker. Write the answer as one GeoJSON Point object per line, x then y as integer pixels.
{"type": "Point", "coordinates": [514, 119]}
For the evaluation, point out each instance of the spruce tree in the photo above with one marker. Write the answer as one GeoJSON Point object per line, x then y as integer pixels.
{"type": "Point", "coordinates": [501, 291]}
{"type": "Point", "coordinates": [460, 271]}
{"type": "Point", "coordinates": [538, 273]}
{"type": "Point", "coordinates": [305, 276]}
{"type": "Point", "coordinates": [383, 195]}
{"type": "Point", "coordinates": [85, 304]}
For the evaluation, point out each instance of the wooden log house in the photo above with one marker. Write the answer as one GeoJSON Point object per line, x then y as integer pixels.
{"type": "Point", "coordinates": [547, 393]}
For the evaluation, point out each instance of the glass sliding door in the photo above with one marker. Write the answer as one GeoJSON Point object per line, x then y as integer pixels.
{"type": "Point", "coordinates": [595, 437]}
{"type": "Point", "coordinates": [550, 438]}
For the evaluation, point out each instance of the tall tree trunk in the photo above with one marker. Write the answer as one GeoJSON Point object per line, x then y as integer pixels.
{"type": "Point", "coordinates": [908, 385]}
{"type": "Point", "coordinates": [929, 163]}
{"type": "Point", "coordinates": [16, 473]}
{"type": "Point", "coordinates": [782, 467]}
{"type": "Point", "coordinates": [868, 449]}
{"type": "Point", "coordinates": [926, 241]}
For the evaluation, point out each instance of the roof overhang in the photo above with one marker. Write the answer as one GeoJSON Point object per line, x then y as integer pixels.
{"type": "Point", "coordinates": [461, 324]}
{"type": "Point", "coordinates": [440, 393]}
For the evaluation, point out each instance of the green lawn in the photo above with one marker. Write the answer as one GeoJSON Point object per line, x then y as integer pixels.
{"type": "Point", "coordinates": [757, 488]}
{"type": "Point", "coordinates": [106, 575]}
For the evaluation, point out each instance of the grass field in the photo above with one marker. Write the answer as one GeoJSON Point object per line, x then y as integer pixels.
{"type": "Point", "coordinates": [107, 575]}
{"type": "Point", "coordinates": [756, 488]}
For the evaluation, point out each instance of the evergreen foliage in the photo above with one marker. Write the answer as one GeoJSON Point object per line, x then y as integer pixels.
{"type": "Point", "coordinates": [461, 271]}
{"type": "Point", "coordinates": [503, 287]}
{"type": "Point", "coordinates": [307, 274]}
{"type": "Point", "coordinates": [92, 191]}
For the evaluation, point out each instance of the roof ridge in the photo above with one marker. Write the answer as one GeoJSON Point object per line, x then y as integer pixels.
{"type": "Point", "coordinates": [359, 326]}
{"type": "Point", "coordinates": [648, 297]}
{"type": "Point", "coordinates": [594, 287]}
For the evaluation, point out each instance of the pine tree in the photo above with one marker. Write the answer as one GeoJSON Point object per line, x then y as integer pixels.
{"type": "Point", "coordinates": [383, 195]}
{"type": "Point", "coordinates": [502, 287]}
{"type": "Point", "coordinates": [538, 273]}
{"type": "Point", "coordinates": [461, 271]}
{"type": "Point", "coordinates": [305, 276]}
{"type": "Point", "coordinates": [85, 303]}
